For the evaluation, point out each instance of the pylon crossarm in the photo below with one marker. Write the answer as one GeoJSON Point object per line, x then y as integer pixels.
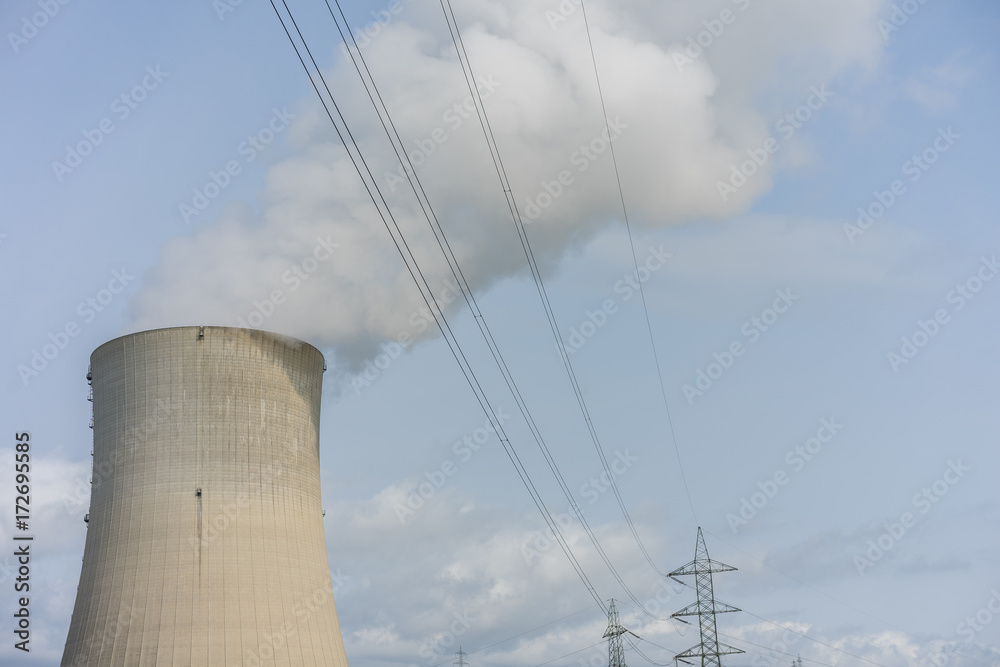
{"type": "Point", "coordinates": [692, 609]}
{"type": "Point", "coordinates": [693, 652]}
{"type": "Point", "coordinates": [696, 652]}
{"type": "Point", "coordinates": [702, 566]}
{"type": "Point", "coordinates": [698, 608]}
{"type": "Point", "coordinates": [726, 649]}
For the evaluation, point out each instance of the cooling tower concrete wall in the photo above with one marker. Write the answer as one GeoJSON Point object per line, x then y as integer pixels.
{"type": "Point", "coordinates": [205, 543]}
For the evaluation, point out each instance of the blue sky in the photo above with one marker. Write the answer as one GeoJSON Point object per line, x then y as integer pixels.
{"type": "Point", "coordinates": [116, 220]}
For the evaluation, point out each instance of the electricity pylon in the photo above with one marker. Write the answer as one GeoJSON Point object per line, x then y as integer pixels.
{"type": "Point", "coordinates": [616, 653]}
{"type": "Point", "coordinates": [702, 567]}
{"type": "Point", "coordinates": [461, 658]}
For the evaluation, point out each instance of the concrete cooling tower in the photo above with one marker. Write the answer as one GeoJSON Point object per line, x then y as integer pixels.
{"type": "Point", "coordinates": [205, 540]}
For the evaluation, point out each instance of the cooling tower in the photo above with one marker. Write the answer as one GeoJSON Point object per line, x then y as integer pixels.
{"type": "Point", "coordinates": [205, 540]}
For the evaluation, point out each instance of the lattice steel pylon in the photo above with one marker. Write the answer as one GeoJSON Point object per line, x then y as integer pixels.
{"type": "Point", "coordinates": [702, 567]}
{"type": "Point", "coordinates": [616, 653]}
{"type": "Point", "coordinates": [461, 658]}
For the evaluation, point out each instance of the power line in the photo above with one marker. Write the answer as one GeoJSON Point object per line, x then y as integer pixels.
{"type": "Point", "coordinates": [635, 262]}
{"type": "Point", "coordinates": [440, 319]}
{"type": "Point", "coordinates": [423, 287]}
{"type": "Point", "coordinates": [469, 74]}
{"type": "Point", "coordinates": [455, 267]}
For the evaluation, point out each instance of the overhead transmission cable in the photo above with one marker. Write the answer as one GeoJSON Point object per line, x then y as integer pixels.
{"type": "Point", "coordinates": [466, 290]}
{"type": "Point", "coordinates": [649, 328]}
{"type": "Point", "coordinates": [444, 327]}
{"type": "Point", "coordinates": [385, 213]}
{"type": "Point", "coordinates": [635, 263]}
{"type": "Point", "coordinates": [484, 122]}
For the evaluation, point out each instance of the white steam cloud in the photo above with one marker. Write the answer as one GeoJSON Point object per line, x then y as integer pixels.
{"type": "Point", "coordinates": [681, 116]}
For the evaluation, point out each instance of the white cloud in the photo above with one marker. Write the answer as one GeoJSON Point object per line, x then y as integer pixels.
{"type": "Point", "coordinates": [679, 132]}
{"type": "Point", "coordinates": [936, 89]}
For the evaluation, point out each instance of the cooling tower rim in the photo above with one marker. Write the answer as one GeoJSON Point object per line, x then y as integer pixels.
{"type": "Point", "coordinates": [290, 341]}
